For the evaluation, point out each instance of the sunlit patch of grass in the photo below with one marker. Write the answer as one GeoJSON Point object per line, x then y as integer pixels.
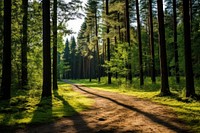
{"type": "Point", "coordinates": [187, 109]}
{"type": "Point", "coordinates": [27, 107]}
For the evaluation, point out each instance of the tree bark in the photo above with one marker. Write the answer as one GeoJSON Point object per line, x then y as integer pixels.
{"type": "Point", "coordinates": [128, 40]}
{"type": "Point", "coordinates": [55, 85]}
{"type": "Point", "coordinates": [153, 75]}
{"type": "Point", "coordinates": [140, 44]}
{"type": "Point", "coordinates": [108, 44]}
{"type": "Point", "coordinates": [46, 89]}
{"type": "Point", "coordinates": [162, 49]}
{"type": "Point", "coordinates": [97, 44]}
{"type": "Point", "coordinates": [175, 44]}
{"type": "Point", "coordinates": [6, 70]}
{"type": "Point", "coordinates": [190, 91]}
{"type": "Point", "coordinates": [24, 76]}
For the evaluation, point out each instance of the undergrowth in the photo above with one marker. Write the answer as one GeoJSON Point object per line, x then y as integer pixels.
{"type": "Point", "coordinates": [27, 107]}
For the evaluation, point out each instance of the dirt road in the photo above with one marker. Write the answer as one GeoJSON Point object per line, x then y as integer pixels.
{"type": "Point", "coordinates": [115, 113]}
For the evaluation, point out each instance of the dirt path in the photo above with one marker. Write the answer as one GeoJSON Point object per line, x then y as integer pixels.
{"type": "Point", "coordinates": [115, 113]}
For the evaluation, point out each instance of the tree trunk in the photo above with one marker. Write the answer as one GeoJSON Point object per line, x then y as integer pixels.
{"type": "Point", "coordinates": [55, 85]}
{"type": "Point", "coordinates": [175, 44]}
{"type": "Point", "coordinates": [46, 89]}
{"type": "Point", "coordinates": [153, 74]}
{"type": "Point", "coordinates": [97, 44]}
{"type": "Point", "coordinates": [6, 70]}
{"type": "Point", "coordinates": [140, 44]}
{"type": "Point", "coordinates": [24, 76]}
{"type": "Point", "coordinates": [108, 44]}
{"type": "Point", "coordinates": [128, 40]}
{"type": "Point", "coordinates": [162, 49]}
{"type": "Point", "coordinates": [190, 91]}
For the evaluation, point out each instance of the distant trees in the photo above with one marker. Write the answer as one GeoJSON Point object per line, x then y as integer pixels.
{"type": "Point", "coordinates": [66, 59]}
{"type": "Point", "coordinates": [116, 28]}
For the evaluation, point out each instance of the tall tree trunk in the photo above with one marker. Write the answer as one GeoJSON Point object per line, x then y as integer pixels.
{"type": "Point", "coordinates": [153, 74]}
{"type": "Point", "coordinates": [55, 85]}
{"type": "Point", "coordinates": [140, 44]}
{"type": "Point", "coordinates": [175, 44]}
{"type": "Point", "coordinates": [162, 49]}
{"type": "Point", "coordinates": [97, 44]}
{"type": "Point", "coordinates": [190, 12]}
{"type": "Point", "coordinates": [24, 76]}
{"type": "Point", "coordinates": [1, 30]}
{"type": "Point", "coordinates": [58, 70]}
{"type": "Point", "coordinates": [190, 91]}
{"type": "Point", "coordinates": [119, 28]}
{"type": "Point", "coordinates": [128, 40]}
{"type": "Point", "coordinates": [108, 44]}
{"type": "Point", "coordinates": [90, 70]}
{"type": "Point", "coordinates": [46, 89]}
{"type": "Point", "coordinates": [6, 70]}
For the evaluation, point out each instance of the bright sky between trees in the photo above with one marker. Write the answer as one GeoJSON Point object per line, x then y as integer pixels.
{"type": "Point", "coordinates": [75, 24]}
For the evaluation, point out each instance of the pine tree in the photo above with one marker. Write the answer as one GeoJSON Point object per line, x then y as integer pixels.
{"type": "Point", "coordinates": [108, 43]}
{"type": "Point", "coordinates": [24, 75]}
{"type": "Point", "coordinates": [55, 85]}
{"type": "Point", "coordinates": [6, 71]}
{"type": "Point", "coordinates": [128, 40]}
{"type": "Point", "coordinates": [46, 89]}
{"type": "Point", "coordinates": [66, 58]}
{"type": "Point", "coordinates": [175, 43]}
{"type": "Point", "coordinates": [190, 91]}
{"type": "Point", "coordinates": [162, 49]}
{"type": "Point", "coordinates": [73, 57]}
{"type": "Point", "coordinates": [153, 75]}
{"type": "Point", "coordinates": [140, 44]}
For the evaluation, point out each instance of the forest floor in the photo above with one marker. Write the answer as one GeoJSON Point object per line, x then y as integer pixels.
{"type": "Point", "coordinates": [115, 113]}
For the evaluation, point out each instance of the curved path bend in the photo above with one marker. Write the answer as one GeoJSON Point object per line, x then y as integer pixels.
{"type": "Point", "coordinates": [116, 113]}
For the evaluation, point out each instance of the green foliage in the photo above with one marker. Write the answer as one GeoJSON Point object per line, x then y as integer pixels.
{"type": "Point", "coordinates": [27, 107]}
{"type": "Point", "coordinates": [118, 61]}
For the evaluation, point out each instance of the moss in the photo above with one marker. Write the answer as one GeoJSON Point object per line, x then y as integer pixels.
{"type": "Point", "coordinates": [26, 107]}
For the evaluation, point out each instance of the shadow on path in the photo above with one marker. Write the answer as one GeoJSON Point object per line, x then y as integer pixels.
{"type": "Point", "coordinates": [79, 123]}
{"type": "Point", "coordinates": [146, 114]}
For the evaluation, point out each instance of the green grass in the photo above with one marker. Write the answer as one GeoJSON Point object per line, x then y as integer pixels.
{"type": "Point", "coordinates": [187, 109]}
{"type": "Point", "coordinates": [27, 107]}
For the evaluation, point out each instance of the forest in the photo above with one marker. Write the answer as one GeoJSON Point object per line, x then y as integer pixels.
{"type": "Point", "coordinates": [134, 56]}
